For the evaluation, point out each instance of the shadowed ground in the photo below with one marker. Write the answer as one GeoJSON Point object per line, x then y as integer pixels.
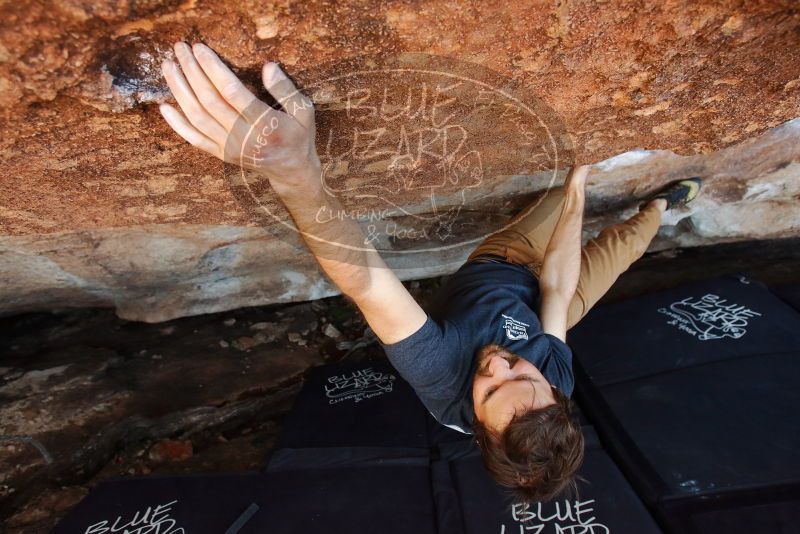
{"type": "Point", "coordinates": [107, 397]}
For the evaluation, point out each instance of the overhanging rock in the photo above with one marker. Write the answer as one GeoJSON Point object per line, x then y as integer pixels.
{"type": "Point", "coordinates": [162, 271]}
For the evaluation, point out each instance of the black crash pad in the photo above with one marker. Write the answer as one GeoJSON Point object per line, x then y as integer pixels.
{"type": "Point", "coordinates": [694, 392]}
{"type": "Point", "coordinates": [710, 448]}
{"type": "Point", "coordinates": [469, 501]}
{"type": "Point", "coordinates": [358, 414]}
{"type": "Point", "coordinates": [790, 294]}
{"type": "Point", "coordinates": [365, 404]}
{"type": "Point", "coordinates": [728, 425]}
{"type": "Point", "coordinates": [714, 320]}
{"type": "Point", "coordinates": [387, 500]}
{"type": "Point", "coordinates": [779, 517]}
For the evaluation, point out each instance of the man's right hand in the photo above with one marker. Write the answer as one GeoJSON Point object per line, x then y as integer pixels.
{"type": "Point", "coordinates": [221, 116]}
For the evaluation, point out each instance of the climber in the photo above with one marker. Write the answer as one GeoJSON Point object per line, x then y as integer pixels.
{"type": "Point", "coordinates": [490, 357]}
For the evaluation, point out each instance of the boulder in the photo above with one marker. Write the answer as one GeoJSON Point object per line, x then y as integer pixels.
{"type": "Point", "coordinates": [103, 205]}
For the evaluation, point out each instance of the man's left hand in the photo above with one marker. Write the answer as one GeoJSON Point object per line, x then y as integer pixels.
{"type": "Point", "coordinates": [221, 116]}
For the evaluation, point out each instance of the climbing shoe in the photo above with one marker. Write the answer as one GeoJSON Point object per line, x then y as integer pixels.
{"type": "Point", "coordinates": [678, 193]}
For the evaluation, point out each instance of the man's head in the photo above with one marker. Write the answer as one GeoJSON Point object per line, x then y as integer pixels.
{"type": "Point", "coordinates": [529, 440]}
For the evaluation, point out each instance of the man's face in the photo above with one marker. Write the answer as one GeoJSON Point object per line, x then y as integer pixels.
{"type": "Point", "coordinates": [503, 383]}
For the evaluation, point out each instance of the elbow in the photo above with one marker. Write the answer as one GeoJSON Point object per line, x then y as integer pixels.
{"type": "Point", "coordinates": [551, 281]}
{"type": "Point", "coordinates": [554, 290]}
{"type": "Point", "coordinates": [547, 287]}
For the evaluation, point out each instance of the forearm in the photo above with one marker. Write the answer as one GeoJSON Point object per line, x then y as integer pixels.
{"type": "Point", "coordinates": [561, 266]}
{"type": "Point", "coordinates": [336, 242]}
{"type": "Point", "coordinates": [218, 108]}
{"type": "Point", "coordinates": [562, 259]}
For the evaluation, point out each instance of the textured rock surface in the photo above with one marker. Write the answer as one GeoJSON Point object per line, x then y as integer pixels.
{"type": "Point", "coordinates": [96, 396]}
{"type": "Point", "coordinates": [161, 271]}
{"type": "Point", "coordinates": [102, 204]}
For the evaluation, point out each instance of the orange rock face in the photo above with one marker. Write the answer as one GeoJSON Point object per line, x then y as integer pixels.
{"type": "Point", "coordinates": [84, 148]}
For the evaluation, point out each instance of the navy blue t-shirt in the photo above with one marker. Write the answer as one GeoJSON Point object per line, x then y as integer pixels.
{"type": "Point", "coordinates": [482, 303]}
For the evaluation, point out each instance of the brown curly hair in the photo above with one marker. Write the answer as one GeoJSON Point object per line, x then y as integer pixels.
{"type": "Point", "coordinates": [537, 454]}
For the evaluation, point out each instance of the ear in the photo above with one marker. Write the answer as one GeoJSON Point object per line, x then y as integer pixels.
{"type": "Point", "coordinates": [525, 481]}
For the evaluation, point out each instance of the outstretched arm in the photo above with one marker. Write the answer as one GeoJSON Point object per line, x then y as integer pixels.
{"type": "Point", "coordinates": [352, 264]}
{"type": "Point", "coordinates": [562, 260]}
{"type": "Point", "coordinates": [221, 116]}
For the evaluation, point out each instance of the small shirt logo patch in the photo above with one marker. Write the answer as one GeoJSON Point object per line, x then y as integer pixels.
{"type": "Point", "coordinates": [514, 329]}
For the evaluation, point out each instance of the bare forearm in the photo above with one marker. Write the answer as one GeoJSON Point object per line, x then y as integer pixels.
{"type": "Point", "coordinates": [353, 264]}
{"type": "Point", "coordinates": [562, 260]}
{"type": "Point", "coordinates": [336, 242]}
{"type": "Point", "coordinates": [217, 108]}
{"type": "Point", "coordinates": [562, 263]}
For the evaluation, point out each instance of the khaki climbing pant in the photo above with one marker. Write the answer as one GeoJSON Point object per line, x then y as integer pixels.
{"type": "Point", "coordinates": [524, 241]}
